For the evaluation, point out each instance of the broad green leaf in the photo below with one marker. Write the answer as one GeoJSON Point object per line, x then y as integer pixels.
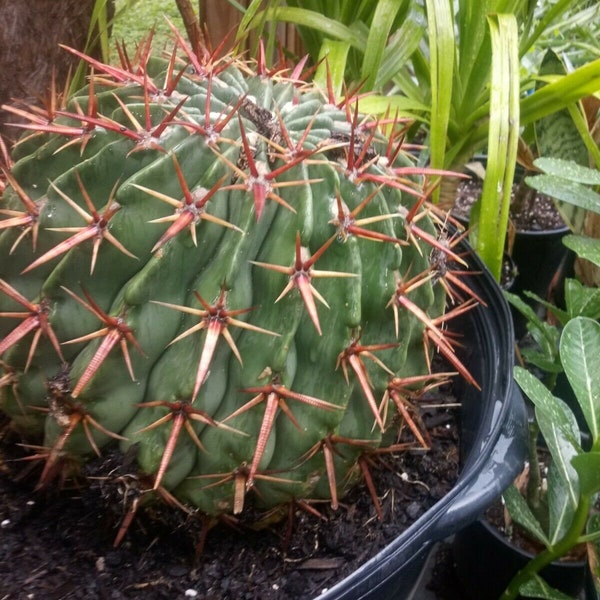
{"type": "Point", "coordinates": [584, 247]}
{"type": "Point", "coordinates": [525, 309]}
{"type": "Point", "coordinates": [566, 191]}
{"type": "Point", "coordinates": [536, 587]}
{"type": "Point", "coordinates": [561, 507]}
{"type": "Point", "coordinates": [581, 301]}
{"type": "Point", "coordinates": [568, 170]}
{"type": "Point", "coordinates": [558, 426]}
{"type": "Point", "coordinates": [556, 134]}
{"type": "Point", "coordinates": [593, 525]}
{"type": "Point", "coordinates": [580, 356]}
{"type": "Point", "coordinates": [560, 314]}
{"type": "Point", "coordinates": [587, 465]}
{"type": "Point", "coordinates": [545, 362]}
{"type": "Point", "coordinates": [521, 513]}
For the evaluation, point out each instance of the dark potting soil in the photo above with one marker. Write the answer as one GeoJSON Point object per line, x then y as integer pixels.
{"type": "Point", "coordinates": [496, 516]}
{"type": "Point", "coordinates": [60, 545]}
{"type": "Point", "coordinates": [537, 214]}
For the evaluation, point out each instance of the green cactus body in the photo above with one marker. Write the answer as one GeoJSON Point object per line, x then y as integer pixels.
{"type": "Point", "coordinates": [186, 314]}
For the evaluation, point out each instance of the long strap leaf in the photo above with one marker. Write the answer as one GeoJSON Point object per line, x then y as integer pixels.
{"type": "Point", "coordinates": [442, 51]}
{"type": "Point", "coordinates": [332, 65]}
{"type": "Point", "coordinates": [404, 42]}
{"type": "Point", "coordinates": [562, 92]}
{"type": "Point", "coordinates": [314, 20]}
{"type": "Point", "coordinates": [384, 16]}
{"type": "Point", "coordinates": [502, 141]}
{"type": "Point", "coordinates": [97, 33]}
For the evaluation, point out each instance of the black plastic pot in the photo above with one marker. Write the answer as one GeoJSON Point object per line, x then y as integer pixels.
{"type": "Point", "coordinates": [538, 256]}
{"type": "Point", "coordinates": [493, 434]}
{"type": "Point", "coordinates": [486, 562]}
{"type": "Point", "coordinates": [590, 589]}
{"type": "Point", "coordinates": [541, 261]}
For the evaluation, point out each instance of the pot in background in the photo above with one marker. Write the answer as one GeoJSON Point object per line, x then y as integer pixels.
{"type": "Point", "coordinates": [486, 562]}
{"type": "Point", "coordinates": [591, 593]}
{"type": "Point", "coordinates": [542, 262]}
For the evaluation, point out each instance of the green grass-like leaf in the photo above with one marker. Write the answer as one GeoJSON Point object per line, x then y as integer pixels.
{"type": "Point", "coordinates": [441, 55]}
{"type": "Point", "coordinates": [502, 142]}
{"type": "Point", "coordinates": [379, 31]}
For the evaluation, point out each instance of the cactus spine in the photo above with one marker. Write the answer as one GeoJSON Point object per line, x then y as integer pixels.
{"type": "Point", "coordinates": [224, 271]}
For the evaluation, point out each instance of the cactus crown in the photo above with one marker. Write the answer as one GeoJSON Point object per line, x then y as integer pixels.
{"type": "Point", "coordinates": [224, 270]}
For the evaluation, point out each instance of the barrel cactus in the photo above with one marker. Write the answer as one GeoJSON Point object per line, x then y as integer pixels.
{"type": "Point", "coordinates": [221, 271]}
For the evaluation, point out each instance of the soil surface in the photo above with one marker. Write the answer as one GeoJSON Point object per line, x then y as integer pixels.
{"type": "Point", "coordinates": [517, 536]}
{"type": "Point", "coordinates": [529, 211]}
{"type": "Point", "coordinates": [60, 545]}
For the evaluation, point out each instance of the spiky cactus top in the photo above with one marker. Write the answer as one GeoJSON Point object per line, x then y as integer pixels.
{"type": "Point", "coordinates": [223, 268]}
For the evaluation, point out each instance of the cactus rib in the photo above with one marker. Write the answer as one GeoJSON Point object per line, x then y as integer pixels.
{"type": "Point", "coordinates": [272, 257]}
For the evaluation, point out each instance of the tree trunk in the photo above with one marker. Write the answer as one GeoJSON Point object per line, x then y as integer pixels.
{"type": "Point", "coordinates": [30, 35]}
{"type": "Point", "coordinates": [220, 20]}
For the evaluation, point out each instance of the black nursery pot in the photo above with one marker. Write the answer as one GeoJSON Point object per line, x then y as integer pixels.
{"type": "Point", "coordinates": [538, 255]}
{"type": "Point", "coordinates": [542, 261]}
{"type": "Point", "coordinates": [486, 562]}
{"type": "Point", "coordinates": [590, 589]}
{"type": "Point", "coordinates": [493, 434]}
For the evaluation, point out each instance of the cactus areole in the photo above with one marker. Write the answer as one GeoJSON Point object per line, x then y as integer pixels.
{"type": "Point", "coordinates": [227, 273]}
